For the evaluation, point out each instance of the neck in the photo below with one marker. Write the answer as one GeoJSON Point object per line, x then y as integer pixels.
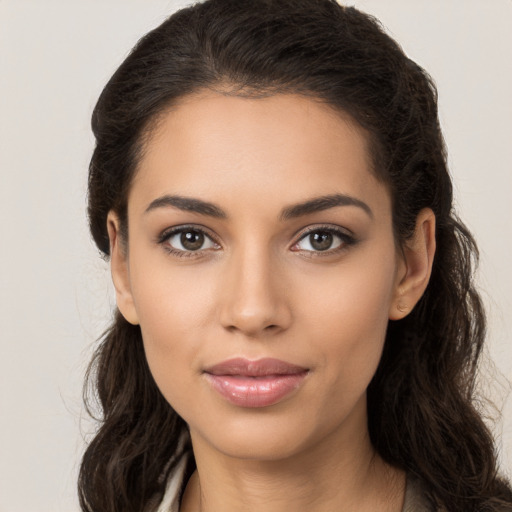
{"type": "Point", "coordinates": [342, 472]}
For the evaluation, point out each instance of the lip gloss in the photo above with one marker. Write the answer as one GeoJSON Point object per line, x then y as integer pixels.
{"type": "Point", "coordinates": [258, 383]}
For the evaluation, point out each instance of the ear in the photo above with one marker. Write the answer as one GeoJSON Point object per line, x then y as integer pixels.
{"type": "Point", "coordinates": [120, 270]}
{"type": "Point", "coordinates": [418, 256]}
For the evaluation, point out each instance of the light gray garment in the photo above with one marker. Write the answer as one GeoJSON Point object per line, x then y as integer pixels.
{"type": "Point", "coordinates": [415, 498]}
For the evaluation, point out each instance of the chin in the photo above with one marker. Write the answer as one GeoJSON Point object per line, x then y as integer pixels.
{"type": "Point", "coordinates": [271, 449]}
{"type": "Point", "coordinates": [262, 436]}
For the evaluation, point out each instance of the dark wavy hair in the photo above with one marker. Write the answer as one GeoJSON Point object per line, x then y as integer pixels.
{"type": "Point", "coordinates": [422, 415]}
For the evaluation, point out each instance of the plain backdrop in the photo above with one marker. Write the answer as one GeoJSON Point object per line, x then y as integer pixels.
{"type": "Point", "coordinates": [55, 296]}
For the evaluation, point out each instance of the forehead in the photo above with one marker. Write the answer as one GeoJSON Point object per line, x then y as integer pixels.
{"type": "Point", "coordinates": [281, 147]}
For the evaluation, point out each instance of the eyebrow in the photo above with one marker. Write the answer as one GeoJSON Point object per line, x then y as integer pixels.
{"type": "Point", "coordinates": [319, 204]}
{"type": "Point", "coordinates": [314, 205]}
{"type": "Point", "coordinates": [187, 204]}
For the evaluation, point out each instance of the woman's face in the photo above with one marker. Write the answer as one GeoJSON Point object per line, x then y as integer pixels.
{"type": "Point", "coordinates": [257, 232]}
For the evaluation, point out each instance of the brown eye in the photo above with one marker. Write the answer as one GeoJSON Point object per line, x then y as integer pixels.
{"type": "Point", "coordinates": [321, 240]}
{"type": "Point", "coordinates": [324, 240]}
{"type": "Point", "coordinates": [187, 240]}
{"type": "Point", "coordinates": [192, 240]}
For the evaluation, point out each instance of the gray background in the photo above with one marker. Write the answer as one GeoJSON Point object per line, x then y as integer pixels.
{"type": "Point", "coordinates": [55, 295]}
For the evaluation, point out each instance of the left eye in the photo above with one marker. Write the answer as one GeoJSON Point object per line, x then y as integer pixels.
{"type": "Point", "coordinates": [321, 240]}
{"type": "Point", "coordinates": [190, 240]}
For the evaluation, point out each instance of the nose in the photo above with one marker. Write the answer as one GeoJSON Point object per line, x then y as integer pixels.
{"type": "Point", "coordinates": [255, 300]}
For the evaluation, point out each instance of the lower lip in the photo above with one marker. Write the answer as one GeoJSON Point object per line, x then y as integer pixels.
{"type": "Point", "coordinates": [255, 391]}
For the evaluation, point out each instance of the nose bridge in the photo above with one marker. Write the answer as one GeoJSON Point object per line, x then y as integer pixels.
{"type": "Point", "coordinates": [254, 302]}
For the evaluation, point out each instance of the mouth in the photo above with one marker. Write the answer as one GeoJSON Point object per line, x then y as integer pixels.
{"type": "Point", "coordinates": [258, 383]}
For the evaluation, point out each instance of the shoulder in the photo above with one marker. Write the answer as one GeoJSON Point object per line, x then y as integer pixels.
{"type": "Point", "coordinates": [417, 499]}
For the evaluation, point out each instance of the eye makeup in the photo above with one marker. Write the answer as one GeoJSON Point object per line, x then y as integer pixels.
{"type": "Point", "coordinates": [194, 241]}
{"type": "Point", "coordinates": [323, 240]}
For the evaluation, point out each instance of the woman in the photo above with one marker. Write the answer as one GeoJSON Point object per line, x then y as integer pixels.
{"type": "Point", "coordinates": [297, 325]}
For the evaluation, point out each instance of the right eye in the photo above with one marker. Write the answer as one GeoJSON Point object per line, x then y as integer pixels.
{"type": "Point", "coordinates": [184, 241]}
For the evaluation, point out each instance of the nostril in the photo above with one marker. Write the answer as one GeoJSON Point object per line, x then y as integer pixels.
{"type": "Point", "coordinates": [252, 331]}
{"type": "Point", "coordinates": [255, 313]}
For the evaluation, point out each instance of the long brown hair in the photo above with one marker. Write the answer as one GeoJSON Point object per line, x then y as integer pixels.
{"type": "Point", "coordinates": [420, 402]}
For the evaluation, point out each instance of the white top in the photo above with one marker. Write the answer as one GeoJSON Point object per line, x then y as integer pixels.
{"type": "Point", "coordinates": [171, 499]}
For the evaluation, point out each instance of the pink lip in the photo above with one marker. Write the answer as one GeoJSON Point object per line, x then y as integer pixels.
{"type": "Point", "coordinates": [255, 383]}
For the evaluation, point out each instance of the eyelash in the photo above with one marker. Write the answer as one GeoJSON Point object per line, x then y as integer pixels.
{"type": "Point", "coordinates": [169, 233]}
{"type": "Point", "coordinates": [346, 240]}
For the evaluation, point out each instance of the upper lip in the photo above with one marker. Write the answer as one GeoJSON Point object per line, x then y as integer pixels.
{"type": "Point", "coordinates": [258, 368]}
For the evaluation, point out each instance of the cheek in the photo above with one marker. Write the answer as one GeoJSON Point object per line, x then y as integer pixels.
{"type": "Point", "coordinates": [351, 316]}
{"type": "Point", "coordinates": [170, 299]}
{"type": "Point", "coordinates": [174, 309]}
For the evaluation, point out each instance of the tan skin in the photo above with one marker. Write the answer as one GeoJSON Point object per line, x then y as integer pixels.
{"type": "Point", "coordinates": [256, 285]}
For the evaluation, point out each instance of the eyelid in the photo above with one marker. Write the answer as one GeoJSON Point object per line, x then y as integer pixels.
{"type": "Point", "coordinates": [347, 238]}
{"type": "Point", "coordinates": [345, 235]}
{"type": "Point", "coordinates": [169, 232]}
{"type": "Point", "coordinates": [334, 228]}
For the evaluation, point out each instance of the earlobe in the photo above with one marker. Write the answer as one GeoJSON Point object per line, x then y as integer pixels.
{"type": "Point", "coordinates": [120, 270]}
{"type": "Point", "coordinates": [418, 255]}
